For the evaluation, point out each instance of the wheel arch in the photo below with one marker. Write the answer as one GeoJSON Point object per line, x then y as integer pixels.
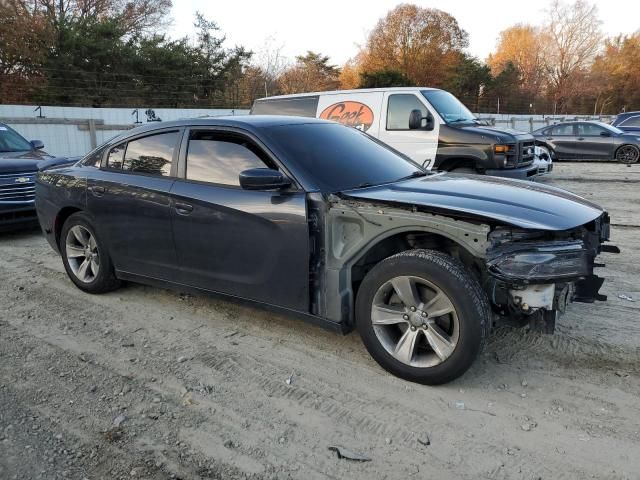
{"type": "Point", "coordinates": [61, 217]}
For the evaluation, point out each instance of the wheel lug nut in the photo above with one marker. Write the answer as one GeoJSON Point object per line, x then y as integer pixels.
{"type": "Point", "coordinates": [424, 314]}
{"type": "Point", "coordinates": [413, 329]}
{"type": "Point", "coordinates": [405, 316]}
{"type": "Point", "coordinates": [413, 309]}
{"type": "Point", "coordinates": [425, 326]}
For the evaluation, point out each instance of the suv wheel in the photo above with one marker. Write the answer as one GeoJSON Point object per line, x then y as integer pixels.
{"type": "Point", "coordinates": [422, 317]}
{"type": "Point", "coordinates": [85, 258]}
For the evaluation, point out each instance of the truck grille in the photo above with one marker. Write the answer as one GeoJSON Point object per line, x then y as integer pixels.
{"type": "Point", "coordinates": [526, 152]}
{"type": "Point", "coordinates": [17, 187]}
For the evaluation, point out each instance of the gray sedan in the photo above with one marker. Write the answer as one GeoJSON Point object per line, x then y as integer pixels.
{"type": "Point", "coordinates": [589, 141]}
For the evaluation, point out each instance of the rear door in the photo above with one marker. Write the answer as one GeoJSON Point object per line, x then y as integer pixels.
{"type": "Point", "coordinates": [562, 139]}
{"type": "Point", "coordinates": [594, 142]}
{"type": "Point", "coordinates": [358, 110]}
{"type": "Point", "coordinates": [419, 145]}
{"type": "Point", "coordinates": [129, 200]}
{"type": "Point", "coordinates": [246, 243]}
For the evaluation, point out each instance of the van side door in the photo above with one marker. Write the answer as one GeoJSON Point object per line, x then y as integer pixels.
{"type": "Point", "coordinates": [419, 145]}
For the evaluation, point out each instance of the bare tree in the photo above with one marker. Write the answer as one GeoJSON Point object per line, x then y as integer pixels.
{"type": "Point", "coordinates": [572, 39]}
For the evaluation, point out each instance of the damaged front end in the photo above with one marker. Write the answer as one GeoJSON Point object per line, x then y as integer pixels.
{"type": "Point", "coordinates": [533, 275]}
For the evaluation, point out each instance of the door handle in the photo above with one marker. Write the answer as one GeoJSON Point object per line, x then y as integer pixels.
{"type": "Point", "coordinates": [549, 138]}
{"type": "Point", "coordinates": [97, 190]}
{"type": "Point", "coordinates": [580, 138]}
{"type": "Point", "coordinates": [184, 208]}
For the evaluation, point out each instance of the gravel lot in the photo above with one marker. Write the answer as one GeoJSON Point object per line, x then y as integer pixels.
{"type": "Point", "coordinates": [147, 383]}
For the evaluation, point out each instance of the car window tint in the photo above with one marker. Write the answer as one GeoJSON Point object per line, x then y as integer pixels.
{"type": "Point", "coordinates": [588, 129]}
{"type": "Point", "coordinates": [298, 106]}
{"type": "Point", "coordinates": [631, 122]}
{"type": "Point", "coordinates": [151, 155]}
{"type": "Point", "coordinates": [399, 108]}
{"type": "Point", "coordinates": [562, 130]}
{"type": "Point", "coordinates": [216, 158]}
{"type": "Point", "coordinates": [116, 156]}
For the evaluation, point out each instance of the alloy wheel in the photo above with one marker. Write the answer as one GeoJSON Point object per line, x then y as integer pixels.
{"type": "Point", "coordinates": [82, 254]}
{"type": "Point", "coordinates": [627, 154]}
{"type": "Point", "coordinates": [415, 321]}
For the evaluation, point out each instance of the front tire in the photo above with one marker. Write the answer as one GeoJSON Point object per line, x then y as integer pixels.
{"type": "Point", "coordinates": [85, 257]}
{"type": "Point", "coordinates": [628, 154]}
{"type": "Point", "coordinates": [422, 316]}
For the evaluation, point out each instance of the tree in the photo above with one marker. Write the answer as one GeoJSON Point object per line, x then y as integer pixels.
{"type": "Point", "coordinates": [423, 44]}
{"type": "Point", "coordinates": [522, 47]}
{"type": "Point", "coordinates": [383, 79]}
{"type": "Point", "coordinates": [311, 73]}
{"type": "Point", "coordinates": [572, 39]}
{"type": "Point", "coordinates": [468, 80]}
{"type": "Point", "coordinates": [503, 93]}
{"type": "Point", "coordinates": [616, 75]}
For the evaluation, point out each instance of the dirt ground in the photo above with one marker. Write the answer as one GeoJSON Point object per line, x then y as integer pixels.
{"type": "Point", "coordinates": [148, 383]}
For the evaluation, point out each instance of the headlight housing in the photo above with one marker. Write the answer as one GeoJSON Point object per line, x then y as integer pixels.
{"type": "Point", "coordinates": [542, 262]}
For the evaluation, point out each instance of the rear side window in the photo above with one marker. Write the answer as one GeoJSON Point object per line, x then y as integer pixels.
{"type": "Point", "coordinates": [399, 108]}
{"type": "Point", "coordinates": [151, 155]}
{"type": "Point", "coordinates": [562, 130]}
{"type": "Point", "coordinates": [296, 106]}
{"type": "Point", "coordinates": [219, 158]}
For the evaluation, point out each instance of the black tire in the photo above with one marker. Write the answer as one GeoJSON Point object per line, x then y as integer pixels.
{"type": "Point", "coordinates": [105, 280]}
{"type": "Point", "coordinates": [450, 276]}
{"type": "Point", "coordinates": [628, 154]}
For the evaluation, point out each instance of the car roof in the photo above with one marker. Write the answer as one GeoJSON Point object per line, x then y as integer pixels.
{"type": "Point", "coordinates": [353, 91]}
{"type": "Point", "coordinates": [246, 122]}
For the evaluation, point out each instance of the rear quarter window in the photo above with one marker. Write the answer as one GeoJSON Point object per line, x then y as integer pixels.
{"type": "Point", "coordinates": [296, 106]}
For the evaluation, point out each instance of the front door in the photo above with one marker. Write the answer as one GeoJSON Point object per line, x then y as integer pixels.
{"type": "Point", "coordinates": [246, 243]}
{"type": "Point", "coordinates": [129, 199]}
{"type": "Point", "coordinates": [594, 142]}
{"type": "Point", "coordinates": [419, 145]}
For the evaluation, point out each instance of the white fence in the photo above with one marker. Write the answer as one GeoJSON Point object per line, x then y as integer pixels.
{"type": "Point", "coordinates": [71, 131]}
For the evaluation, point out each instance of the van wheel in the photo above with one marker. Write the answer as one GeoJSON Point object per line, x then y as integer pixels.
{"type": "Point", "coordinates": [85, 257]}
{"type": "Point", "coordinates": [422, 316]}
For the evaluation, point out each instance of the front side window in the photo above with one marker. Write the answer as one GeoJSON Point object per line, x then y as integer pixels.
{"type": "Point", "coordinates": [11, 141]}
{"type": "Point", "coordinates": [151, 155]}
{"type": "Point", "coordinates": [399, 108]}
{"type": "Point", "coordinates": [218, 158]}
{"type": "Point", "coordinates": [116, 156]}
{"type": "Point", "coordinates": [562, 130]}
{"type": "Point", "coordinates": [588, 129]}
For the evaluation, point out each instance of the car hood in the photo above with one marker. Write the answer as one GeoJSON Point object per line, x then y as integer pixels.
{"type": "Point", "coordinates": [501, 134]}
{"type": "Point", "coordinates": [513, 202]}
{"type": "Point", "coordinates": [29, 161]}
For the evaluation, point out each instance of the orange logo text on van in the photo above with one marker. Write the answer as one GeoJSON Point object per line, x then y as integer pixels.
{"type": "Point", "coordinates": [354, 114]}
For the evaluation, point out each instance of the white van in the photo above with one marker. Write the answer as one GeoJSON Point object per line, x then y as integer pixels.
{"type": "Point", "coordinates": [429, 125]}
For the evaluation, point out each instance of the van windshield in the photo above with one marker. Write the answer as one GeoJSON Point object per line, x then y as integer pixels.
{"type": "Point", "coordinates": [336, 158]}
{"type": "Point", "coordinates": [449, 107]}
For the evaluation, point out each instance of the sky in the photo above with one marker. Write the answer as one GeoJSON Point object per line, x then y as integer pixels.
{"type": "Point", "coordinates": [337, 27]}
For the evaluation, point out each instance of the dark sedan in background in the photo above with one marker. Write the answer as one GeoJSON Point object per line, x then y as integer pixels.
{"type": "Point", "coordinates": [589, 141]}
{"type": "Point", "coordinates": [627, 122]}
{"type": "Point", "coordinates": [20, 160]}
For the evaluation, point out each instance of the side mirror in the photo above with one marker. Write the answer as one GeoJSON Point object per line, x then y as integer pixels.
{"type": "Point", "coordinates": [605, 134]}
{"type": "Point", "coordinates": [37, 144]}
{"type": "Point", "coordinates": [263, 179]}
{"type": "Point", "coordinates": [416, 118]}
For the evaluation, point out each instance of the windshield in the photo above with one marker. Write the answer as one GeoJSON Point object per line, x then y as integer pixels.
{"type": "Point", "coordinates": [337, 158]}
{"type": "Point", "coordinates": [449, 107]}
{"type": "Point", "coordinates": [611, 128]}
{"type": "Point", "coordinates": [10, 141]}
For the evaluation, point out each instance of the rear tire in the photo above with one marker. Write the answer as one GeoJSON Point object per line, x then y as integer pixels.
{"type": "Point", "coordinates": [422, 316]}
{"type": "Point", "coordinates": [85, 256]}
